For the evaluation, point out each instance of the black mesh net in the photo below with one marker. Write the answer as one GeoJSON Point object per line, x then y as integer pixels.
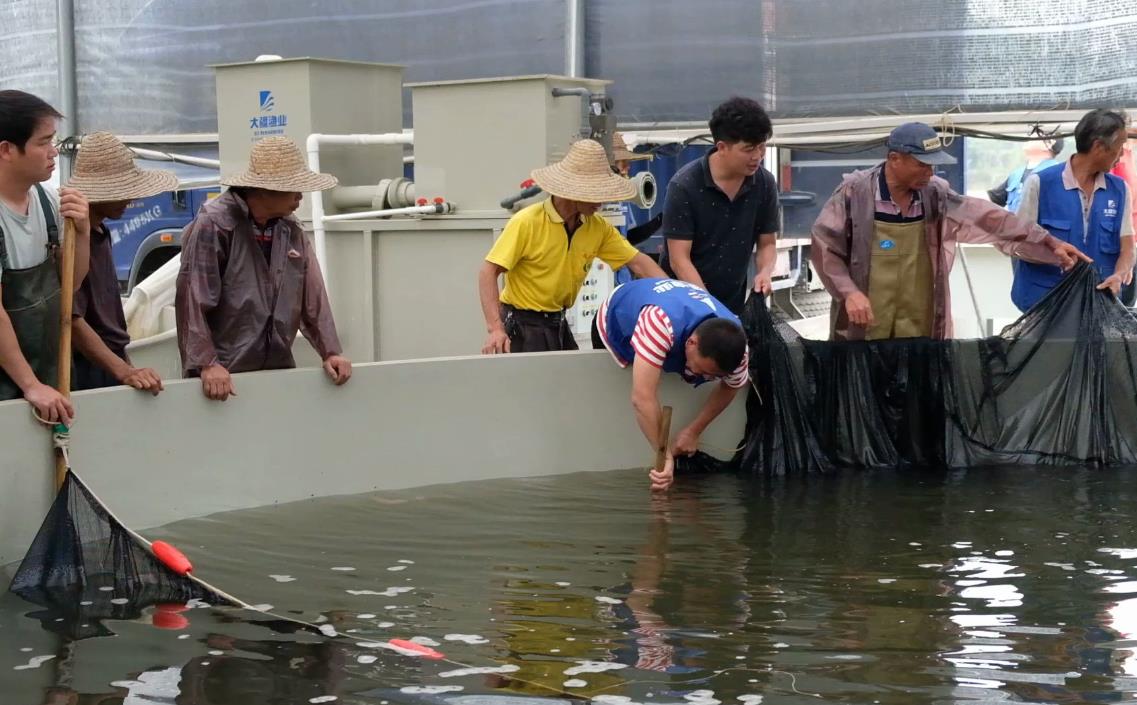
{"type": "Point", "coordinates": [84, 567]}
{"type": "Point", "coordinates": [1056, 387]}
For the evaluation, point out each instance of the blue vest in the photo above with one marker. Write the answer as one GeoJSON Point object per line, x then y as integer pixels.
{"type": "Point", "coordinates": [623, 275]}
{"type": "Point", "coordinates": [1060, 212]}
{"type": "Point", "coordinates": [686, 305]}
{"type": "Point", "coordinates": [1018, 177]}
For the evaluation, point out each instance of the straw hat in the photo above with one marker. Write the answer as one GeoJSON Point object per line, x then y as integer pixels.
{"type": "Point", "coordinates": [584, 175]}
{"type": "Point", "coordinates": [276, 164]}
{"type": "Point", "coordinates": [105, 172]}
{"type": "Point", "coordinates": [621, 153]}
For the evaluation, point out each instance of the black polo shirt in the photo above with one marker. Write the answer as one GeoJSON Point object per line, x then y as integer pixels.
{"type": "Point", "coordinates": [722, 232]}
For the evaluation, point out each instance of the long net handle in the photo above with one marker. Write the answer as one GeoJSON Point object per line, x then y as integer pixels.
{"type": "Point", "coordinates": [66, 303]}
{"type": "Point", "coordinates": [664, 438]}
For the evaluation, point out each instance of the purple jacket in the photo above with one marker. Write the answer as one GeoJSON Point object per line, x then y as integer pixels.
{"type": "Point", "coordinates": [238, 310]}
{"type": "Point", "coordinates": [843, 232]}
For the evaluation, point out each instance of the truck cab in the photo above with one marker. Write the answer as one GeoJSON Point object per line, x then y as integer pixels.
{"type": "Point", "coordinates": [150, 232]}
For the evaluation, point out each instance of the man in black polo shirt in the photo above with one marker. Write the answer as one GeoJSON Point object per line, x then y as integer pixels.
{"type": "Point", "coordinates": [723, 205]}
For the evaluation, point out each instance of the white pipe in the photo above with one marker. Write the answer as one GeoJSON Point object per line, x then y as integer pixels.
{"type": "Point", "coordinates": [68, 90]}
{"type": "Point", "coordinates": [432, 209]}
{"type": "Point", "coordinates": [312, 145]}
{"type": "Point", "coordinates": [180, 158]}
{"type": "Point", "coordinates": [574, 38]}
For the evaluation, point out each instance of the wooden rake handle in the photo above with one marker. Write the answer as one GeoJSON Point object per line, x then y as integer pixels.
{"type": "Point", "coordinates": [66, 303]}
{"type": "Point", "coordinates": [664, 438]}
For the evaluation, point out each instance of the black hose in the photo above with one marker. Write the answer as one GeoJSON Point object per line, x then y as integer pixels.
{"type": "Point", "coordinates": [509, 201]}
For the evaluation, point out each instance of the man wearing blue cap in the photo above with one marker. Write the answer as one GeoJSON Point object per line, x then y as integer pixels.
{"type": "Point", "coordinates": [1079, 201]}
{"type": "Point", "coordinates": [884, 243]}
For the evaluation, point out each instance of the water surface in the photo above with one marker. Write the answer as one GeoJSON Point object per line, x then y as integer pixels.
{"type": "Point", "coordinates": [1001, 585]}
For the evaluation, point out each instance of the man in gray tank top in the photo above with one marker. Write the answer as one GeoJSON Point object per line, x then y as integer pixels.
{"type": "Point", "coordinates": [31, 220]}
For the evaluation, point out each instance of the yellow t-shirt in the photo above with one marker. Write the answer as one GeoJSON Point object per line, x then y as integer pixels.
{"type": "Point", "coordinates": [544, 271]}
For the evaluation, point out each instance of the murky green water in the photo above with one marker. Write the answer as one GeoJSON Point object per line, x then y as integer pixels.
{"type": "Point", "coordinates": [1015, 585]}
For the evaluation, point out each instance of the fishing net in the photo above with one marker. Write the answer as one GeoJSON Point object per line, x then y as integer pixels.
{"type": "Point", "coordinates": [84, 567]}
{"type": "Point", "coordinates": [1057, 387]}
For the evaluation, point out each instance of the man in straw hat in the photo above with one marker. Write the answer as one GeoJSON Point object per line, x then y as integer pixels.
{"type": "Point", "coordinates": [249, 278]}
{"type": "Point", "coordinates": [623, 157]}
{"type": "Point", "coordinates": [546, 250]}
{"type": "Point", "coordinates": [106, 174]}
{"type": "Point", "coordinates": [31, 224]}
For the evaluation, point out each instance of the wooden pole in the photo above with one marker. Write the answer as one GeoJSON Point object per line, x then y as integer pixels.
{"type": "Point", "coordinates": [66, 303]}
{"type": "Point", "coordinates": [664, 438]}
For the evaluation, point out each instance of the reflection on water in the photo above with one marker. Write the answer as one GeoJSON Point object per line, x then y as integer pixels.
{"type": "Point", "coordinates": [1013, 585]}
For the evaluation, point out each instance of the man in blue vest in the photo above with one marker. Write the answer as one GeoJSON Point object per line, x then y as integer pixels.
{"type": "Point", "coordinates": [1081, 203]}
{"type": "Point", "coordinates": [1040, 154]}
{"type": "Point", "coordinates": [667, 325]}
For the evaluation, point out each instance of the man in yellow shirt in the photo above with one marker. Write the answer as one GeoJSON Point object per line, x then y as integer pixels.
{"type": "Point", "coordinates": [546, 250]}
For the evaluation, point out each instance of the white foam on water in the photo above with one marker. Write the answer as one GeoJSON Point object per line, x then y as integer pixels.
{"type": "Point", "coordinates": [931, 565]}
{"type": "Point", "coordinates": [474, 671]}
{"type": "Point", "coordinates": [344, 568]}
{"type": "Point", "coordinates": [781, 645]}
{"type": "Point", "coordinates": [282, 578]}
{"type": "Point", "coordinates": [594, 667]}
{"type": "Point", "coordinates": [385, 625]}
{"type": "Point", "coordinates": [910, 543]}
{"type": "Point", "coordinates": [34, 662]}
{"type": "Point", "coordinates": [430, 689]}
{"type": "Point", "coordinates": [119, 601]}
{"type": "Point", "coordinates": [574, 683]}
{"type": "Point", "coordinates": [372, 645]}
{"type": "Point", "coordinates": [215, 652]}
{"type": "Point", "coordinates": [467, 638]}
{"type": "Point", "coordinates": [750, 699]}
{"type": "Point", "coordinates": [1004, 553]}
{"type": "Point", "coordinates": [702, 697]}
{"type": "Point", "coordinates": [183, 636]}
{"type": "Point", "coordinates": [570, 638]}
{"type": "Point", "coordinates": [1122, 553]}
{"type": "Point", "coordinates": [404, 560]}
{"type": "Point", "coordinates": [554, 651]}
{"type": "Point", "coordinates": [389, 592]}
{"type": "Point", "coordinates": [86, 603]}
{"type": "Point", "coordinates": [425, 641]}
{"type": "Point", "coordinates": [106, 588]}
{"type": "Point", "coordinates": [324, 699]}
{"type": "Point", "coordinates": [608, 600]}
{"type": "Point", "coordinates": [328, 631]}
{"type": "Point", "coordinates": [562, 584]}
{"type": "Point", "coordinates": [396, 568]}
{"type": "Point", "coordinates": [886, 581]}
{"type": "Point", "coordinates": [264, 607]}
{"type": "Point", "coordinates": [367, 658]}
{"type": "Point", "coordinates": [26, 649]}
{"type": "Point", "coordinates": [612, 699]}
{"type": "Point", "coordinates": [367, 616]}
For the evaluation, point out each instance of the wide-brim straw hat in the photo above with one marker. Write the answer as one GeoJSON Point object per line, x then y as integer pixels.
{"type": "Point", "coordinates": [621, 153]}
{"type": "Point", "coordinates": [584, 175]}
{"type": "Point", "coordinates": [277, 164]}
{"type": "Point", "coordinates": [105, 172]}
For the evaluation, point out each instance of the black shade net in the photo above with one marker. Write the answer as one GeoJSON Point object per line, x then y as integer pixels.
{"type": "Point", "coordinates": [1057, 387]}
{"type": "Point", "coordinates": [84, 567]}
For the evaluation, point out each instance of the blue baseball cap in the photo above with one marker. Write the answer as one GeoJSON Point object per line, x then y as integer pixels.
{"type": "Point", "coordinates": [921, 141]}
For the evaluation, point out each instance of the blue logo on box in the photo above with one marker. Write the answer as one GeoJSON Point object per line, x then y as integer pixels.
{"type": "Point", "coordinates": [887, 244]}
{"type": "Point", "coordinates": [267, 101]}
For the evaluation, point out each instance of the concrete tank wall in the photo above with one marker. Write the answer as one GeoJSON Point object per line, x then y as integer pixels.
{"type": "Point", "coordinates": [291, 435]}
